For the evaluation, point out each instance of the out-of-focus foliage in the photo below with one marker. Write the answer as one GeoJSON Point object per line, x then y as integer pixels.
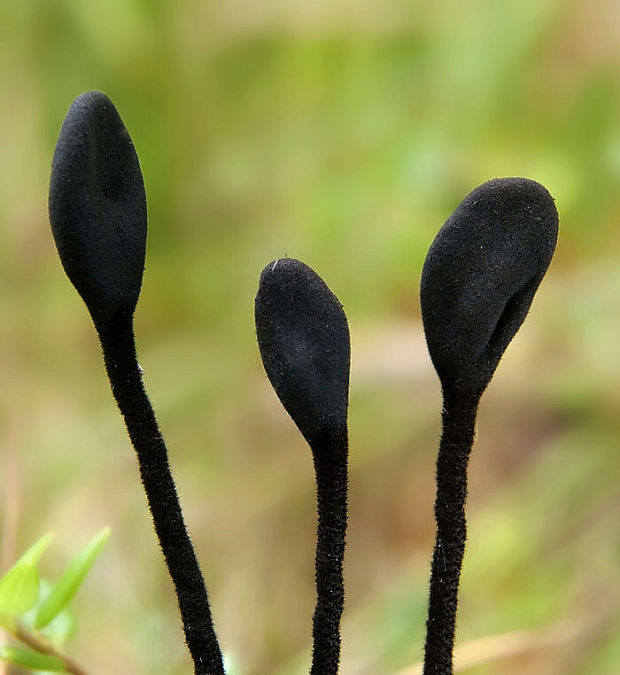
{"type": "Point", "coordinates": [343, 134]}
{"type": "Point", "coordinates": [34, 612]}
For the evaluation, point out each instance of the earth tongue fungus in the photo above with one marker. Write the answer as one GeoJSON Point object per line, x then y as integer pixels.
{"type": "Point", "coordinates": [478, 281]}
{"type": "Point", "coordinates": [97, 209]}
{"type": "Point", "coordinates": [303, 337]}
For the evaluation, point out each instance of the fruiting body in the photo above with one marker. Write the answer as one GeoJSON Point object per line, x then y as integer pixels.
{"type": "Point", "coordinates": [303, 337]}
{"type": "Point", "coordinates": [480, 276]}
{"type": "Point", "coordinates": [97, 207]}
{"type": "Point", "coordinates": [478, 281]}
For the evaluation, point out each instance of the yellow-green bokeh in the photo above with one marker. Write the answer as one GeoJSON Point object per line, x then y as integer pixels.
{"type": "Point", "coordinates": [342, 133]}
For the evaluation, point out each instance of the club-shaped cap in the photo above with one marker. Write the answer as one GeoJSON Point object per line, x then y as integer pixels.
{"type": "Point", "coordinates": [480, 276]}
{"type": "Point", "coordinates": [303, 337]}
{"type": "Point", "coordinates": [97, 207]}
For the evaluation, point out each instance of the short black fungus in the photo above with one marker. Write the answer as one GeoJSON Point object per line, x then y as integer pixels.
{"type": "Point", "coordinates": [303, 337]}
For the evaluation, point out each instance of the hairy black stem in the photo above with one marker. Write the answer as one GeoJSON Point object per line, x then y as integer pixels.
{"type": "Point", "coordinates": [330, 463]}
{"type": "Point", "coordinates": [458, 429]}
{"type": "Point", "coordinates": [119, 351]}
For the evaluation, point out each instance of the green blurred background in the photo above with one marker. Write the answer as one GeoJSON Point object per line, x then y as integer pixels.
{"type": "Point", "coordinates": [341, 133]}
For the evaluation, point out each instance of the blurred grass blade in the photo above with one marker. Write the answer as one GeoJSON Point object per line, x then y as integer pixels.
{"type": "Point", "coordinates": [69, 583]}
{"type": "Point", "coordinates": [19, 587]}
{"type": "Point", "coordinates": [33, 660]}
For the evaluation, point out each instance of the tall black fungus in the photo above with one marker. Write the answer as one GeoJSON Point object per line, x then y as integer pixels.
{"type": "Point", "coordinates": [97, 208]}
{"type": "Point", "coordinates": [303, 337]}
{"type": "Point", "coordinates": [478, 281]}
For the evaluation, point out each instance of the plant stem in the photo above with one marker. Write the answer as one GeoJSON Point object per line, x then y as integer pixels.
{"type": "Point", "coordinates": [330, 463]}
{"type": "Point", "coordinates": [125, 377]}
{"type": "Point", "coordinates": [458, 428]}
{"type": "Point", "coordinates": [44, 647]}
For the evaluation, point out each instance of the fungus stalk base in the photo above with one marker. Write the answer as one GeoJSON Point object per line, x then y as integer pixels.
{"type": "Point", "coordinates": [330, 462]}
{"type": "Point", "coordinates": [458, 429]}
{"type": "Point", "coordinates": [125, 377]}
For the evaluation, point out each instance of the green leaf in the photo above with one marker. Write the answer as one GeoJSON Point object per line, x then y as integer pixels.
{"type": "Point", "coordinates": [36, 550]}
{"type": "Point", "coordinates": [19, 587]}
{"type": "Point", "coordinates": [60, 629]}
{"type": "Point", "coordinates": [33, 660]}
{"type": "Point", "coordinates": [69, 583]}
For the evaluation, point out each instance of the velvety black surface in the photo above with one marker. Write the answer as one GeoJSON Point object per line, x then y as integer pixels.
{"type": "Point", "coordinates": [480, 275]}
{"type": "Point", "coordinates": [98, 216]}
{"type": "Point", "coordinates": [457, 437]}
{"type": "Point", "coordinates": [330, 454]}
{"type": "Point", "coordinates": [478, 281]}
{"type": "Point", "coordinates": [303, 337]}
{"type": "Point", "coordinates": [97, 207]}
{"type": "Point", "coordinates": [119, 353]}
